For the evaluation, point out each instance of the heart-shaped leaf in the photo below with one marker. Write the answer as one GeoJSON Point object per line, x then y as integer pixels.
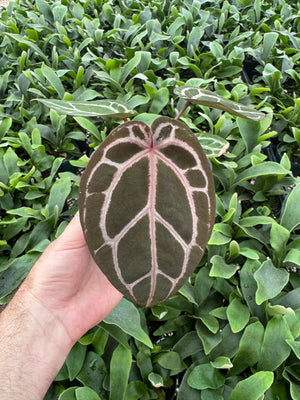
{"type": "Point", "coordinates": [97, 108]}
{"type": "Point", "coordinates": [207, 98]}
{"type": "Point", "coordinates": [147, 207]}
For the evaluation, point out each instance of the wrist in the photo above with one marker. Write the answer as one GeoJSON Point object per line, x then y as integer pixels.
{"type": "Point", "coordinates": [33, 347]}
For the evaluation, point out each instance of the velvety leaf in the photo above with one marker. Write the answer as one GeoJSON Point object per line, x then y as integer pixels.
{"type": "Point", "coordinates": [119, 372]}
{"type": "Point", "coordinates": [210, 99]}
{"type": "Point", "coordinates": [96, 108]}
{"type": "Point", "coordinates": [252, 388]}
{"type": "Point", "coordinates": [154, 183]}
{"type": "Point", "coordinates": [274, 347]}
{"type": "Point", "coordinates": [270, 281]}
{"type": "Point", "coordinates": [205, 376]}
{"type": "Point", "coordinates": [238, 315]}
{"type": "Point", "coordinates": [126, 316]}
{"type": "Point", "coordinates": [291, 215]}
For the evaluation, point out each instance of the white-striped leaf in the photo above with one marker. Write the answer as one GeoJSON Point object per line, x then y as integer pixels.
{"type": "Point", "coordinates": [213, 145]}
{"type": "Point", "coordinates": [210, 99]}
{"type": "Point", "coordinates": [147, 206]}
{"type": "Point", "coordinates": [97, 108]}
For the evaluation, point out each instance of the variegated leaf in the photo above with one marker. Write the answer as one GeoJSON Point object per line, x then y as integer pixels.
{"type": "Point", "coordinates": [213, 145]}
{"type": "Point", "coordinates": [147, 207]}
{"type": "Point", "coordinates": [210, 99]}
{"type": "Point", "coordinates": [97, 108]}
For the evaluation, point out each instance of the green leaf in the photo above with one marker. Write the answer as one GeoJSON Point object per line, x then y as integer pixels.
{"type": "Point", "coordinates": [263, 169]}
{"type": "Point", "coordinates": [253, 387]}
{"type": "Point", "coordinates": [53, 79]}
{"type": "Point", "coordinates": [291, 215]}
{"type": "Point", "coordinates": [249, 348]}
{"type": "Point", "coordinates": [15, 272]}
{"type": "Point", "coordinates": [210, 99]}
{"type": "Point", "coordinates": [205, 376]}
{"type": "Point", "coordinates": [4, 126]}
{"type": "Point", "coordinates": [20, 39]}
{"type": "Point", "coordinates": [269, 42]}
{"type": "Point", "coordinates": [222, 363]}
{"type": "Point", "coordinates": [188, 345]}
{"type": "Point", "coordinates": [172, 361]}
{"type": "Point", "coordinates": [159, 101]}
{"type": "Point", "coordinates": [58, 195]}
{"type": "Point", "coordinates": [129, 67]}
{"type": "Point", "coordinates": [119, 372]}
{"type": "Point", "coordinates": [97, 108]}
{"type": "Point", "coordinates": [93, 372]}
{"type": "Point", "coordinates": [238, 315]}
{"type": "Point", "coordinates": [156, 380]}
{"type": "Point", "coordinates": [75, 360]}
{"type": "Point", "coordinates": [209, 340]}
{"type": "Point", "coordinates": [68, 394]}
{"type": "Point", "coordinates": [279, 237]}
{"type": "Point", "coordinates": [293, 258]}
{"type": "Point", "coordinates": [85, 393]}
{"type": "Point", "coordinates": [275, 350]}
{"type": "Point", "coordinates": [295, 346]}
{"type": "Point", "coordinates": [10, 159]}
{"type": "Point", "coordinates": [270, 281]}
{"type": "Point", "coordinates": [220, 269]}
{"type": "Point", "coordinates": [89, 126]}
{"type": "Point", "coordinates": [126, 316]}
{"type": "Point", "coordinates": [251, 130]}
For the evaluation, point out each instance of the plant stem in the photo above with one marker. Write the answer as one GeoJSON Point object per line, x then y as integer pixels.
{"type": "Point", "coordinates": [183, 110]}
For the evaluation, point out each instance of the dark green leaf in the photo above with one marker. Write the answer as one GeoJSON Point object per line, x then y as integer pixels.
{"type": "Point", "coordinates": [126, 316]}
{"type": "Point", "coordinates": [119, 372]}
{"type": "Point", "coordinates": [274, 347]}
{"type": "Point", "coordinates": [205, 376]}
{"type": "Point", "coordinates": [253, 387]}
{"type": "Point", "coordinates": [270, 281]}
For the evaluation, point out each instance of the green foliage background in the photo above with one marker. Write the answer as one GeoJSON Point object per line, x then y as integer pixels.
{"type": "Point", "coordinates": [232, 332]}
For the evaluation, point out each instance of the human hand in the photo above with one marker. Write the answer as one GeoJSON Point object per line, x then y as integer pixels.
{"type": "Point", "coordinates": [70, 285]}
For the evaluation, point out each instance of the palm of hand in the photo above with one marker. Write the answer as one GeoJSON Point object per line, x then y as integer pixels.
{"type": "Point", "coordinates": [67, 281]}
